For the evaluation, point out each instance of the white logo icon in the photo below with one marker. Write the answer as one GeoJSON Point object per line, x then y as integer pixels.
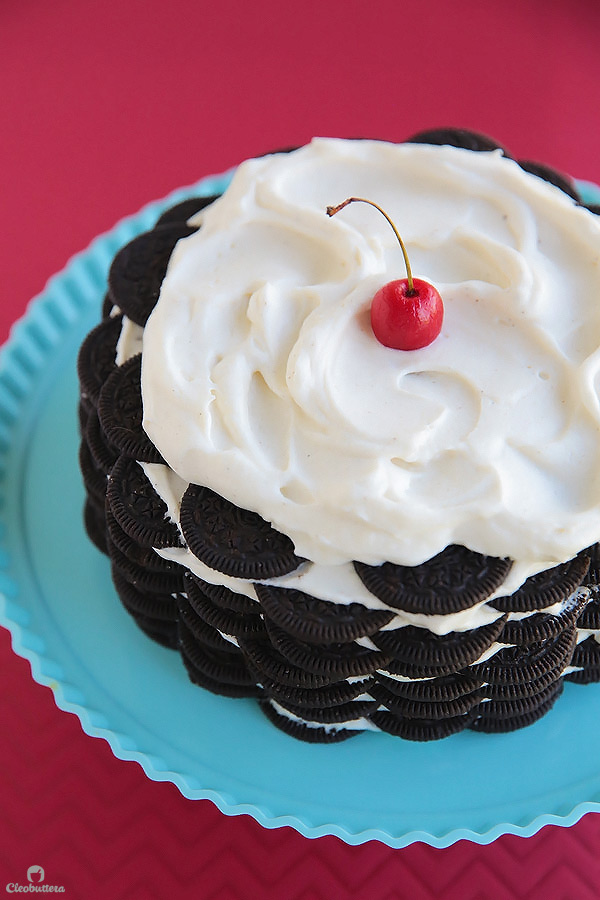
{"type": "Point", "coordinates": [35, 874]}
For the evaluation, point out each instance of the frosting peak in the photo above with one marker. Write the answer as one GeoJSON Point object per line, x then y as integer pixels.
{"type": "Point", "coordinates": [262, 379]}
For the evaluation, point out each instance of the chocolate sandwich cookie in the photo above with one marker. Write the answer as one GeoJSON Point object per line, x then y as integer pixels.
{"type": "Point", "coordinates": [181, 212]}
{"type": "Point", "coordinates": [146, 577]}
{"type": "Point", "coordinates": [204, 633]}
{"type": "Point", "coordinates": [220, 672]}
{"type": "Point", "coordinates": [336, 694]}
{"type": "Point", "coordinates": [442, 689]}
{"type": "Point", "coordinates": [586, 654]}
{"type": "Point", "coordinates": [138, 269]}
{"type": "Point", "coordinates": [225, 620]}
{"type": "Point", "coordinates": [520, 664]}
{"type": "Point", "coordinates": [144, 557]}
{"type": "Point", "coordinates": [156, 615]}
{"type": "Point", "coordinates": [84, 408]}
{"type": "Point", "coordinates": [589, 618]}
{"type": "Point", "coordinates": [319, 621]}
{"type": "Point", "coordinates": [310, 733]}
{"type": "Point", "coordinates": [150, 604]}
{"type": "Point", "coordinates": [504, 716]}
{"type": "Point", "coordinates": [546, 588]}
{"type": "Point", "coordinates": [423, 650]}
{"type": "Point", "coordinates": [457, 137]}
{"type": "Point", "coordinates": [235, 541]}
{"type": "Point", "coordinates": [421, 729]}
{"type": "Point", "coordinates": [107, 306]}
{"type": "Point", "coordinates": [335, 661]}
{"type": "Point", "coordinates": [262, 657]}
{"type": "Point", "coordinates": [426, 709]}
{"type": "Point", "coordinates": [590, 675]}
{"type": "Point", "coordinates": [95, 525]}
{"type": "Point", "coordinates": [103, 453]}
{"type": "Point", "coordinates": [453, 580]}
{"type": "Point", "coordinates": [520, 690]}
{"type": "Point", "coordinates": [138, 509]}
{"type": "Point", "coordinates": [540, 627]}
{"type": "Point", "coordinates": [224, 598]}
{"type": "Point", "coordinates": [96, 358]}
{"type": "Point", "coordinates": [120, 413]}
{"type": "Point", "coordinates": [94, 479]}
{"type": "Point", "coordinates": [163, 633]}
{"type": "Point", "coordinates": [334, 715]}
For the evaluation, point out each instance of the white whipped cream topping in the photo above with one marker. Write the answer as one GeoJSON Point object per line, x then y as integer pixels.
{"type": "Point", "coordinates": [262, 379]}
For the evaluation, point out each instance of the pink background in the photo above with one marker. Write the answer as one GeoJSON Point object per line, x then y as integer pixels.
{"type": "Point", "coordinates": [107, 105]}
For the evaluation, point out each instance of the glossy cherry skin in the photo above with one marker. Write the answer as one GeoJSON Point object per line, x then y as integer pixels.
{"type": "Point", "coordinates": [407, 320]}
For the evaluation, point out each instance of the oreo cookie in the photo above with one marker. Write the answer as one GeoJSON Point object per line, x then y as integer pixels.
{"type": "Point", "coordinates": [262, 657]}
{"type": "Point", "coordinates": [94, 479]}
{"type": "Point", "coordinates": [231, 540]}
{"type": "Point", "coordinates": [219, 672]}
{"type": "Point", "coordinates": [120, 413]}
{"type": "Point", "coordinates": [428, 653]}
{"type": "Point", "coordinates": [433, 710]}
{"type": "Point", "coordinates": [335, 661]}
{"type": "Point", "coordinates": [541, 627]}
{"type": "Point", "coordinates": [334, 715]}
{"type": "Point", "coordinates": [453, 580]}
{"type": "Point", "coordinates": [203, 632]}
{"type": "Point", "coordinates": [103, 454]}
{"type": "Point", "coordinates": [303, 731]}
{"type": "Point", "coordinates": [517, 665]}
{"type": "Point", "coordinates": [183, 211]}
{"type": "Point", "coordinates": [107, 306]}
{"type": "Point", "coordinates": [587, 654]}
{"type": "Point", "coordinates": [584, 676]}
{"type": "Point", "coordinates": [96, 358]}
{"type": "Point", "coordinates": [319, 621]}
{"type": "Point", "coordinates": [226, 621]}
{"type": "Point", "coordinates": [519, 690]}
{"type": "Point", "coordinates": [546, 588]}
{"type": "Point", "coordinates": [146, 577]}
{"type": "Point", "coordinates": [457, 137]}
{"type": "Point", "coordinates": [336, 694]}
{"type": "Point", "coordinates": [142, 557]}
{"type": "Point", "coordinates": [149, 604]}
{"type": "Point", "coordinates": [589, 618]}
{"type": "Point", "coordinates": [138, 269]}
{"type": "Point", "coordinates": [225, 598]}
{"type": "Point", "coordinates": [95, 525]}
{"type": "Point", "coordinates": [421, 729]}
{"type": "Point", "coordinates": [517, 715]}
{"type": "Point", "coordinates": [442, 689]}
{"type": "Point", "coordinates": [137, 508]}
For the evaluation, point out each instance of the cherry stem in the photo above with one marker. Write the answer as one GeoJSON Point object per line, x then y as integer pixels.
{"type": "Point", "coordinates": [332, 210]}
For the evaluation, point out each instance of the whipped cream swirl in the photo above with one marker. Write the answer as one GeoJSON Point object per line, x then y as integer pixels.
{"type": "Point", "coordinates": [262, 379]}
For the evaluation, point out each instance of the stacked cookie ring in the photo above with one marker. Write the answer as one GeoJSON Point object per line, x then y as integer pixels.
{"type": "Point", "coordinates": [410, 662]}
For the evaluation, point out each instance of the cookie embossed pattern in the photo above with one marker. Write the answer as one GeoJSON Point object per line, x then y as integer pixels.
{"type": "Point", "coordinates": [135, 693]}
{"type": "Point", "coordinates": [417, 594]}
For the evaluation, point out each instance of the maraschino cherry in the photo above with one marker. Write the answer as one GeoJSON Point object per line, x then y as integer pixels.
{"type": "Point", "coordinates": [406, 314]}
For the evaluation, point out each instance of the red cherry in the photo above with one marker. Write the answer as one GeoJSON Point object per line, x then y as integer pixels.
{"type": "Point", "coordinates": [405, 319]}
{"type": "Point", "coordinates": [406, 314]}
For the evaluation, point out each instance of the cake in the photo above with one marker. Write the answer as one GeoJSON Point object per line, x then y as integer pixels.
{"type": "Point", "coordinates": [357, 537]}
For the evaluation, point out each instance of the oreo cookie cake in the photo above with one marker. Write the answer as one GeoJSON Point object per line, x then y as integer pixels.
{"type": "Point", "coordinates": [358, 537]}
